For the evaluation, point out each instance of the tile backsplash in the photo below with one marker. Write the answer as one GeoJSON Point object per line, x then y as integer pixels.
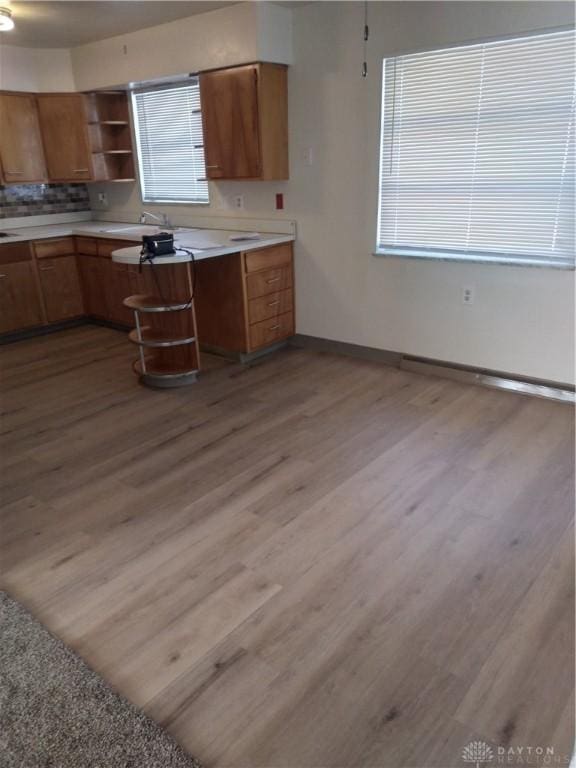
{"type": "Point", "coordinates": [39, 199]}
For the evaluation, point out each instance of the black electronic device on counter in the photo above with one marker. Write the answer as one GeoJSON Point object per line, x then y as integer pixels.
{"type": "Point", "coordinates": [160, 245]}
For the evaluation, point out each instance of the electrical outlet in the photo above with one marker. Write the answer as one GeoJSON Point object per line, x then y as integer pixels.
{"type": "Point", "coordinates": [468, 295]}
{"type": "Point", "coordinates": [238, 201]}
{"type": "Point", "coordinates": [103, 199]}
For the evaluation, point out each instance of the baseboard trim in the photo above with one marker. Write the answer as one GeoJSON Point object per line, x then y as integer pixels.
{"type": "Point", "coordinates": [64, 325]}
{"type": "Point", "coordinates": [344, 348]}
{"type": "Point", "coordinates": [41, 330]}
{"type": "Point", "coordinates": [484, 377]}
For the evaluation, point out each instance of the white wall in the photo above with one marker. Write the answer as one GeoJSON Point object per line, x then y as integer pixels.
{"type": "Point", "coordinates": [220, 38]}
{"type": "Point", "coordinates": [523, 318]}
{"type": "Point", "coordinates": [35, 69]}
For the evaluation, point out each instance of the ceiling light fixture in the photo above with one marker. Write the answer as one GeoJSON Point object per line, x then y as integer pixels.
{"type": "Point", "coordinates": [6, 21]}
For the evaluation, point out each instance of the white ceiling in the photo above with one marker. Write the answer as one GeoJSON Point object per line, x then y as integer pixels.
{"type": "Point", "coordinates": [65, 24]}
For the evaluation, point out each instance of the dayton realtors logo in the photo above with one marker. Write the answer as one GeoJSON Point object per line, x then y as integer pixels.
{"type": "Point", "coordinates": [477, 752]}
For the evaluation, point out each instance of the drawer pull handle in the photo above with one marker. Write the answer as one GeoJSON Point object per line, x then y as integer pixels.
{"type": "Point", "coordinates": [80, 170]}
{"type": "Point", "coordinates": [46, 269]}
{"type": "Point", "coordinates": [14, 173]}
{"type": "Point", "coordinates": [274, 303]}
{"type": "Point", "coordinates": [273, 327]}
{"type": "Point", "coordinates": [3, 277]}
{"type": "Point", "coordinates": [273, 280]}
{"type": "Point", "coordinates": [212, 166]}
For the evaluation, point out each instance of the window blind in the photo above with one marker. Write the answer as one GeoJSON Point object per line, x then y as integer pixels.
{"type": "Point", "coordinates": [168, 126]}
{"type": "Point", "coordinates": [477, 152]}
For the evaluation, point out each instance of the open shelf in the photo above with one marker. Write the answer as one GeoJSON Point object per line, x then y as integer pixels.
{"type": "Point", "coordinates": [148, 303]}
{"type": "Point", "coordinates": [158, 338]}
{"type": "Point", "coordinates": [110, 136]}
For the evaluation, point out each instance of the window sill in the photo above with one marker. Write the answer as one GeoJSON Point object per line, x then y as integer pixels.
{"type": "Point", "coordinates": [175, 202]}
{"type": "Point", "coordinates": [463, 259]}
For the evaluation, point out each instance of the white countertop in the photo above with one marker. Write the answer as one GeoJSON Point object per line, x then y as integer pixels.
{"type": "Point", "coordinates": [204, 243]}
{"type": "Point", "coordinates": [109, 229]}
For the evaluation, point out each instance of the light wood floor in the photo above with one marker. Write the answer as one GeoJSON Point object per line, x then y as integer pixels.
{"type": "Point", "coordinates": [315, 561]}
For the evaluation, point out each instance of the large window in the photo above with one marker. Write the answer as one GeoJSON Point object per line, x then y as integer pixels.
{"type": "Point", "coordinates": [168, 125]}
{"type": "Point", "coordinates": [477, 152]}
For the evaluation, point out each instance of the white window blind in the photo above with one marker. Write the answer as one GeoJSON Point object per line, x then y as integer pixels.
{"type": "Point", "coordinates": [477, 152]}
{"type": "Point", "coordinates": [168, 126]}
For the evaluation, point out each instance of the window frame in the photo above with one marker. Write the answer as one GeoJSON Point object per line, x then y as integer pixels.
{"type": "Point", "coordinates": [446, 255]}
{"type": "Point", "coordinates": [162, 86]}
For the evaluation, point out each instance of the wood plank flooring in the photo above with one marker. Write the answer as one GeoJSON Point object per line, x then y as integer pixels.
{"type": "Point", "coordinates": [313, 561]}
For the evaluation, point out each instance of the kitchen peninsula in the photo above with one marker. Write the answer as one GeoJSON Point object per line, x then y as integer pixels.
{"type": "Point", "coordinates": [229, 291]}
{"type": "Point", "coordinates": [60, 274]}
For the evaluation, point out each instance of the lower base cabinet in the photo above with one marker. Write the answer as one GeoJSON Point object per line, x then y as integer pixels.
{"type": "Point", "coordinates": [93, 286]}
{"type": "Point", "coordinates": [245, 301]}
{"type": "Point", "coordinates": [60, 284]}
{"type": "Point", "coordinates": [20, 305]}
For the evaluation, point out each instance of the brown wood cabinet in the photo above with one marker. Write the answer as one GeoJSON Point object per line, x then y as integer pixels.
{"type": "Point", "coordinates": [21, 151]}
{"type": "Point", "coordinates": [105, 284]}
{"type": "Point", "coordinates": [245, 122]}
{"type": "Point", "coordinates": [20, 305]}
{"type": "Point", "coordinates": [65, 136]}
{"type": "Point", "coordinates": [245, 301]}
{"type": "Point", "coordinates": [60, 284]}
{"type": "Point", "coordinates": [92, 278]}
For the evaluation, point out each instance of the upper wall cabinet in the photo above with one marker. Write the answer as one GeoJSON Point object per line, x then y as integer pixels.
{"type": "Point", "coordinates": [21, 149]}
{"type": "Point", "coordinates": [65, 135]}
{"type": "Point", "coordinates": [86, 136]}
{"type": "Point", "coordinates": [245, 122]}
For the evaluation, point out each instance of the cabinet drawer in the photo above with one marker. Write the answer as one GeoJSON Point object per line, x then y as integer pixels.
{"type": "Point", "coordinates": [87, 246]}
{"type": "Point", "coordinates": [13, 252]}
{"type": "Point", "coordinates": [272, 305]}
{"type": "Point", "coordinates": [267, 258]}
{"type": "Point", "coordinates": [268, 281]}
{"type": "Point", "coordinates": [59, 247]}
{"type": "Point", "coordinates": [106, 247]}
{"type": "Point", "coordinates": [272, 330]}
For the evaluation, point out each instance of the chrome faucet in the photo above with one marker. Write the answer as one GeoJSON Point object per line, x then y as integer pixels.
{"type": "Point", "coordinates": [163, 219]}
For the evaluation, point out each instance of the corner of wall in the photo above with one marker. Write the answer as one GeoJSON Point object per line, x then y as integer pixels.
{"type": "Point", "coordinates": [274, 33]}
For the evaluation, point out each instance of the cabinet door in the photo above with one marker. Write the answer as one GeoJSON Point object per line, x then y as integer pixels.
{"type": "Point", "coordinates": [19, 300]}
{"type": "Point", "coordinates": [230, 123]}
{"type": "Point", "coordinates": [60, 287]}
{"type": "Point", "coordinates": [21, 149]}
{"type": "Point", "coordinates": [65, 135]}
{"type": "Point", "coordinates": [120, 287]}
{"type": "Point", "coordinates": [93, 286]}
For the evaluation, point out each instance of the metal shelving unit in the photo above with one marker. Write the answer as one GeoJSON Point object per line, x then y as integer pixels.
{"type": "Point", "coordinates": [167, 358]}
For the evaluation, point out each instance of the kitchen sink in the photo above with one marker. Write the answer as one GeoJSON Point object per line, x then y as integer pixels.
{"type": "Point", "coordinates": [135, 229]}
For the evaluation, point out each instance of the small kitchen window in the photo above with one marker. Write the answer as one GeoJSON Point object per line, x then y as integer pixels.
{"type": "Point", "coordinates": [170, 143]}
{"type": "Point", "coordinates": [477, 153]}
